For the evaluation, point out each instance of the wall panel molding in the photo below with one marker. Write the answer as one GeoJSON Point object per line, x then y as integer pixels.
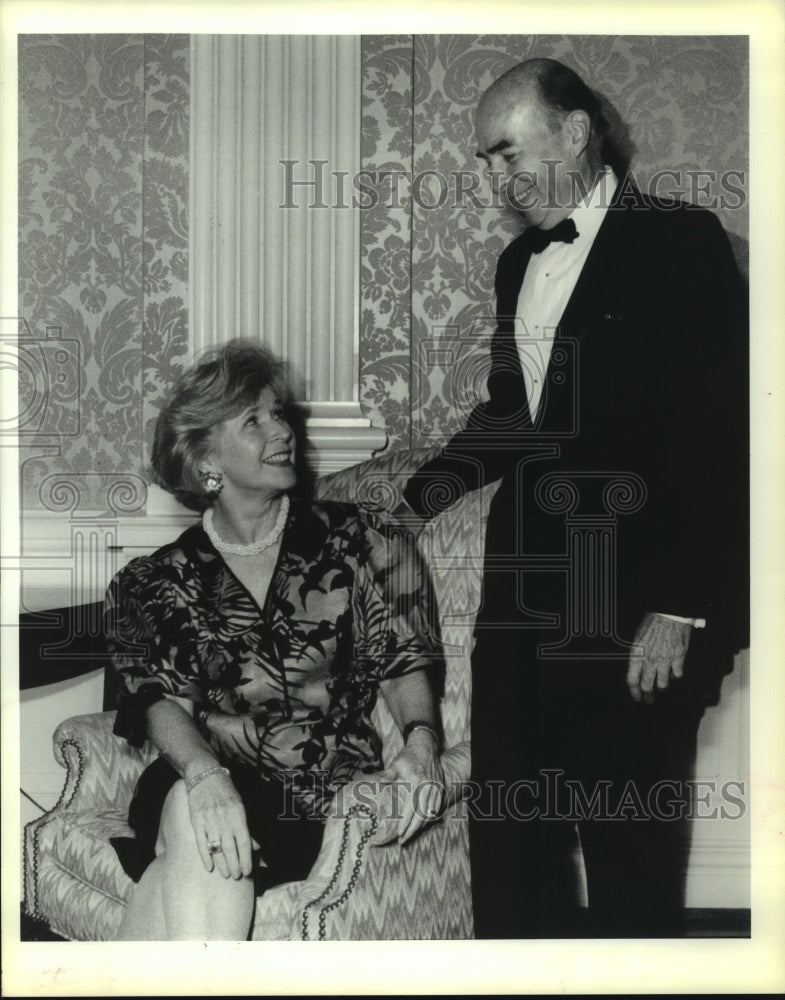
{"type": "Point", "coordinates": [279, 261]}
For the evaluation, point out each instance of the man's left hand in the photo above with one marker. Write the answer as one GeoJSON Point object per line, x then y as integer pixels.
{"type": "Point", "coordinates": [661, 646]}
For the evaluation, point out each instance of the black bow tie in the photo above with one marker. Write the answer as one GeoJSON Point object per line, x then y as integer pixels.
{"type": "Point", "coordinates": [536, 240]}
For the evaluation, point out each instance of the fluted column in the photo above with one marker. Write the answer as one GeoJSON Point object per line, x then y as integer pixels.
{"type": "Point", "coordinates": [274, 255]}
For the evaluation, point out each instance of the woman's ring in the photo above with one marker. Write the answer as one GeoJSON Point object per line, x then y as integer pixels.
{"type": "Point", "coordinates": [214, 847]}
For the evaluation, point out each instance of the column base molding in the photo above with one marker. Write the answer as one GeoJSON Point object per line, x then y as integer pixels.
{"type": "Point", "coordinates": [338, 436]}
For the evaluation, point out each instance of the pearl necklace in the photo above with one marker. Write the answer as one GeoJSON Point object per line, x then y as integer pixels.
{"type": "Point", "coordinates": [253, 548]}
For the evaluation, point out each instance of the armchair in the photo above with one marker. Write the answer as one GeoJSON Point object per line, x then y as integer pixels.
{"type": "Point", "coordinates": [357, 889]}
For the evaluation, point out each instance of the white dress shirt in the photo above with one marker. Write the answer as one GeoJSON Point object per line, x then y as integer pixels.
{"type": "Point", "coordinates": [548, 283]}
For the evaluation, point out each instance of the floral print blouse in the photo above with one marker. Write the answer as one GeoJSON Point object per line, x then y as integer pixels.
{"type": "Point", "coordinates": [288, 687]}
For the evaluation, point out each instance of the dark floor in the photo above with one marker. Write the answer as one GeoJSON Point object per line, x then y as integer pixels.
{"type": "Point", "coordinates": [696, 923]}
{"type": "Point", "coordinates": [692, 923]}
{"type": "Point", "coordinates": [717, 923]}
{"type": "Point", "coordinates": [31, 929]}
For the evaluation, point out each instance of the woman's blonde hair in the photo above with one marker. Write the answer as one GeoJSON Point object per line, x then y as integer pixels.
{"type": "Point", "coordinates": [222, 383]}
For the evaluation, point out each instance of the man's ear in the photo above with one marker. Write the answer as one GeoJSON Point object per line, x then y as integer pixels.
{"type": "Point", "coordinates": [579, 130]}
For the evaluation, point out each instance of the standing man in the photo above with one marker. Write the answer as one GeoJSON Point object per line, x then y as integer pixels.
{"type": "Point", "coordinates": [618, 364]}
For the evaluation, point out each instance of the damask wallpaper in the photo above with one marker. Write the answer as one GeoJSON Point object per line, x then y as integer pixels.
{"type": "Point", "coordinates": [675, 103]}
{"type": "Point", "coordinates": [103, 265]}
{"type": "Point", "coordinates": [386, 235]}
{"type": "Point", "coordinates": [103, 228]}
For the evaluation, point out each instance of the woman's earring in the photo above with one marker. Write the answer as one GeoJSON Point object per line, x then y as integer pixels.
{"type": "Point", "coordinates": [213, 483]}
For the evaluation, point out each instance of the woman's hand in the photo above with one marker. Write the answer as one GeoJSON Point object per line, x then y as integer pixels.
{"type": "Point", "coordinates": [417, 773]}
{"type": "Point", "coordinates": [417, 770]}
{"type": "Point", "coordinates": [216, 809]}
{"type": "Point", "coordinates": [218, 817]}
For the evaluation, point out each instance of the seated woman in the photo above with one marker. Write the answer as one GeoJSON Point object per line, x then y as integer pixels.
{"type": "Point", "coordinates": [251, 650]}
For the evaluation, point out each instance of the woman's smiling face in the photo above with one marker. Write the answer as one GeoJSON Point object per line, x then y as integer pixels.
{"type": "Point", "coordinates": [255, 449]}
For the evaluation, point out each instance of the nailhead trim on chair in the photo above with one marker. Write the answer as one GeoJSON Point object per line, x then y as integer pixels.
{"type": "Point", "coordinates": [31, 905]}
{"type": "Point", "coordinates": [79, 772]}
{"type": "Point", "coordinates": [354, 811]}
{"type": "Point", "coordinates": [31, 875]}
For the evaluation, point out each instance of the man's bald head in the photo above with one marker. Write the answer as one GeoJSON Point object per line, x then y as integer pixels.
{"type": "Point", "coordinates": [538, 128]}
{"type": "Point", "coordinates": [558, 90]}
{"type": "Point", "coordinates": [516, 84]}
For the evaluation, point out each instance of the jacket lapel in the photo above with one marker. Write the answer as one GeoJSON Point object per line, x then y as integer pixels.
{"type": "Point", "coordinates": [590, 293]}
{"type": "Point", "coordinates": [587, 303]}
{"type": "Point", "coordinates": [590, 305]}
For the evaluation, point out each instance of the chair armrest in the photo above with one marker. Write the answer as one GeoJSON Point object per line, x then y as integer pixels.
{"type": "Point", "coordinates": [457, 764]}
{"type": "Point", "coordinates": [101, 769]}
{"type": "Point", "coordinates": [359, 867]}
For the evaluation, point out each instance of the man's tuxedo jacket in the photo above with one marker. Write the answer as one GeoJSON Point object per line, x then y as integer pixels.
{"type": "Point", "coordinates": [647, 384]}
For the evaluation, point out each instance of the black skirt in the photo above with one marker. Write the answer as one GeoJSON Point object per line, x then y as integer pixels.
{"type": "Point", "coordinates": [289, 841]}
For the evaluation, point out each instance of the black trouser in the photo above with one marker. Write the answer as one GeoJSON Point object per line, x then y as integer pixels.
{"type": "Point", "coordinates": [560, 744]}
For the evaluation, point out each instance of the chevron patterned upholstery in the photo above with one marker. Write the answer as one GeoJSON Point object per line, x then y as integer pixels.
{"type": "Point", "coordinates": [359, 888]}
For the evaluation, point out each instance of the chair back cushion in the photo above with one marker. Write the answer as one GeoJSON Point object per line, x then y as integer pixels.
{"type": "Point", "coordinates": [452, 545]}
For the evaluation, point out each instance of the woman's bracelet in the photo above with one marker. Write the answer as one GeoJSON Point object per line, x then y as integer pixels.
{"type": "Point", "coordinates": [410, 727]}
{"type": "Point", "coordinates": [192, 782]}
